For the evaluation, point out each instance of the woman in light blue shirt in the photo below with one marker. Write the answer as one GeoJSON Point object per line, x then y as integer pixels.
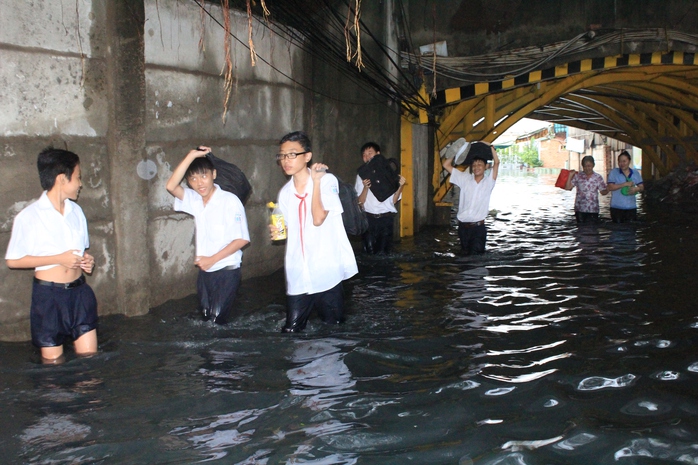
{"type": "Point", "coordinates": [624, 183]}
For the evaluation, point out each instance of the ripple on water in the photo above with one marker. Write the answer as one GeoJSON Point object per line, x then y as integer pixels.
{"type": "Point", "coordinates": [645, 407]}
{"type": "Point", "coordinates": [666, 375]}
{"type": "Point", "coordinates": [499, 391]}
{"type": "Point", "coordinates": [666, 450]}
{"type": "Point", "coordinates": [595, 383]}
{"type": "Point", "coordinates": [575, 442]}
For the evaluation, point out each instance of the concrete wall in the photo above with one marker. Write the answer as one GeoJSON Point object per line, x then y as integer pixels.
{"type": "Point", "coordinates": [53, 91]}
{"type": "Point", "coordinates": [126, 86]}
{"type": "Point", "coordinates": [184, 107]}
{"type": "Point", "coordinates": [475, 27]}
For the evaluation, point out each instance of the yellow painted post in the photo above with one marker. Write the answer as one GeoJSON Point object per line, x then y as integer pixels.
{"type": "Point", "coordinates": [423, 115]}
{"type": "Point", "coordinates": [407, 170]}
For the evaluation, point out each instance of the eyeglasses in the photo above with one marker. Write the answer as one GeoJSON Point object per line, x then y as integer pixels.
{"type": "Point", "coordinates": [290, 156]}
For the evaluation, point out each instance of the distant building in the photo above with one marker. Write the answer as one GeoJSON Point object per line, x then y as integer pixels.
{"type": "Point", "coordinates": [561, 146]}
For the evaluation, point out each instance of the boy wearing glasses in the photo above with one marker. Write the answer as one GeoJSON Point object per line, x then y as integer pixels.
{"type": "Point", "coordinates": [318, 253]}
{"type": "Point", "coordinates": [221, 232]}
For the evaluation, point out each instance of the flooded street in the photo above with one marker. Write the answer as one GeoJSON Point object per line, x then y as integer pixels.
{"type": "Point", "coordinates": [561, 345]}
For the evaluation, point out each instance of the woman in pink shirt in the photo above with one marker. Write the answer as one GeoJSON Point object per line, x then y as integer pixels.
{"type": "Point", "coordinates": [589, 185]}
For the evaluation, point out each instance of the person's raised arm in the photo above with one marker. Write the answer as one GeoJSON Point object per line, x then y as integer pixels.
{"type": "Point", "coordinates": [495, 164]}
{"type": "Point", "coordinates": [317, 171]}
{"type": "Point", "coordinates": [398, 192]}
{"type": "Point", "coordinates": [174, 184]}
{"type": "Point", "coordinates": [447, 163]}
{"type": "Point", "coordinates": [366, 183]}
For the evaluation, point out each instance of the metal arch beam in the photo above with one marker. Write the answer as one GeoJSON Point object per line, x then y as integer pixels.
{"type": "Point", "coordinates": [656, 102]}
{"type": "Point", "coordinates": [453, 118]}
{"type": "Point", "coordinates": [650, 93]}
{"type": "Point", "coordinates": [605, 129]}
{"type": "Point", "coordinates": [548, 91]}
{"type": "Point", "coordinates": [501, 109]}
{"type": "Point", "coordinates": [540, 92]}
{"type": "Point", "coordinates": [642, 121]}
{"type": "Point", "coordinates": [682, 87]}
{"type": "Point", "coordinates": [683, 113]}
{"type": "Point", "coordinates": [608, 114]}
{"type": "Point", "coordinates": [659, 103]}
{"type": "Point", "coordinates": [665, 120]}
{"type": "Point", "coordinates": [631, 131]}
{"type": "Point", "coordinates": [676, 97]}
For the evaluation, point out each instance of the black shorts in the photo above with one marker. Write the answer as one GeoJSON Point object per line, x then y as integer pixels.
{"type": "Point", "coordinates": [329, 303]}
{"type": "Point", "coordinates": [60, 311]}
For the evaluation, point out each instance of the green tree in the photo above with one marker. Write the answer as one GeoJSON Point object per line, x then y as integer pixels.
{"type": "Point", "coordinates": [529, 154]}
{"type": "Point", "coordinates": [507, 155]}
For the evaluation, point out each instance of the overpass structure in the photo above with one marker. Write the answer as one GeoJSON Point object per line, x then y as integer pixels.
{"type": "Point", "coordinates": [645, 94]}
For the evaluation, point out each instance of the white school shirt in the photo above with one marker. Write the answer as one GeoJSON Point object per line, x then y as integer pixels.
{"type": "Point", "coordinates": [218, 223]}
{"type": "Point", "coordinates": [40, 230]}
{"type": "Point", "coordinates": [474, 198]}
{"type": "Point", "coordinates": [322, 257]}
{"type": "Point", "coordinates": [372, 204]}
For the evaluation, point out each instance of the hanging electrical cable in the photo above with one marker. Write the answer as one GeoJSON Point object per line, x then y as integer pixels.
{"type": "Point", "coordinates": [290, 78]}
{"type": "Point", "coordinates": [323, 33]}
{"type": "Point", "coordinates": [513, 63]}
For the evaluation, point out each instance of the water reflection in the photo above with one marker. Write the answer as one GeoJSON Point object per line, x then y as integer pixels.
{"type": "Point", "coordinates": [563, 344]}
{"type": "Point", "coordinates": [322, 378]}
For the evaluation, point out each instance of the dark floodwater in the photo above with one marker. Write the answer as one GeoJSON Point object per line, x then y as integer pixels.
{"type": "Point", "coordinates": [562, 345]}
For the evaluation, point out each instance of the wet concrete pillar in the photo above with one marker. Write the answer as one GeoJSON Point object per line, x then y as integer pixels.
{"type": "Point", "coordinates": [126, 147]}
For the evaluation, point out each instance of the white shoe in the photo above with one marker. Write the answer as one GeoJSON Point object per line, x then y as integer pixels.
{"type": "Point", "coordinates": [457, 150]}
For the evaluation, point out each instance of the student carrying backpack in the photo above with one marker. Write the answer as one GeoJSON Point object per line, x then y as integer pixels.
{"type": "Point", "coordinates": [379, 186]}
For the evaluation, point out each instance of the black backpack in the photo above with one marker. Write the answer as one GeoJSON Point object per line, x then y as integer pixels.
{"type": "Point", "coordinates": [384, 176]}
{"type": "Point", "coordinates": [231, 178]}
{"type": "Point", "coordinates": [354, 218]}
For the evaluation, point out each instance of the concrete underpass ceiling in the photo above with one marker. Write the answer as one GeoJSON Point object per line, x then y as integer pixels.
{"type": "Point", "coordinates": [652, 104]}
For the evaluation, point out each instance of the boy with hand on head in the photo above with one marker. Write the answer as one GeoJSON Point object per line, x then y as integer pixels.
{"type": "Point", "coordinates": [380, 215]}
{"type": "Point", "coordinates": [318, 253]}
{"type": "Point", "coordinates": [50, 235]}
{"type": "Point", "coordinates": [221, 232]}
{"type": "Point", "coordinates": [474, 199]}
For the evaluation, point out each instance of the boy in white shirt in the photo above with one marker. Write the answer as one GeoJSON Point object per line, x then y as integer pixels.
{"type": "Point", "coordinates": [380, 215]}
{"type": "Point", "coordinates": [221, 232]}
{"type": "Point", "coordinates": [474, 199]}
{"type": "Point", "coordinates": [318, 253]}
{"type": "Point", "coordinates": [50, 235]}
